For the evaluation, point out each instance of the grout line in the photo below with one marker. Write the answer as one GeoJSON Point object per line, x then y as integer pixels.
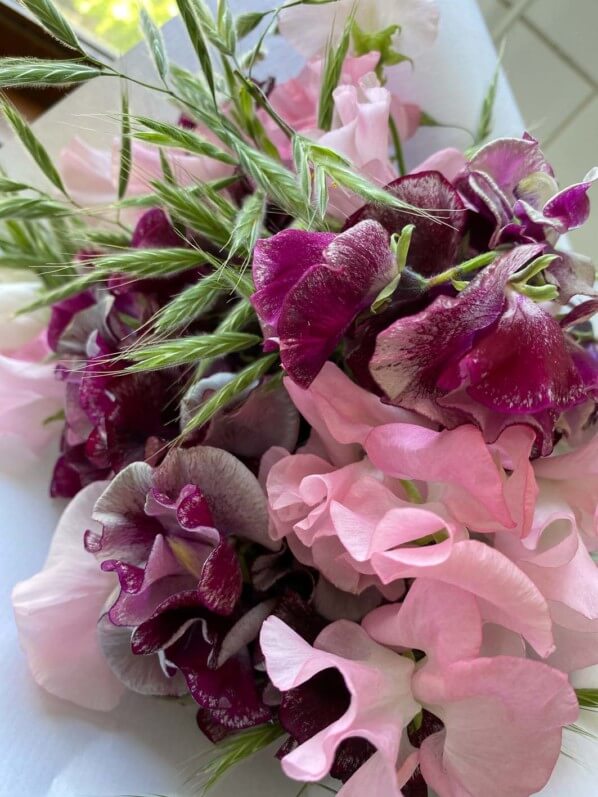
{"type": "Point", "coordinates": [546, 142]}
{"type": "Point", "coordinates": [510, 18]}
{"type": "Point", "coordinates": [554, 46]}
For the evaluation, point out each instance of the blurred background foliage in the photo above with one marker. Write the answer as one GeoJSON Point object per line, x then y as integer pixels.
{"type": "Point", "coordinates": [114, 23]}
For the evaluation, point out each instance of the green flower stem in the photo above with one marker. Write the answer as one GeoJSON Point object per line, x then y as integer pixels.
{"type": "Point", "coordinates": [396, 142]}
{"type": "Point", "coordinates": [456, 272]}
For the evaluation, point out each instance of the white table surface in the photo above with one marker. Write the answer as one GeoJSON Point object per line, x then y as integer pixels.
{"type": "Point", "coordinates": [48, 747]}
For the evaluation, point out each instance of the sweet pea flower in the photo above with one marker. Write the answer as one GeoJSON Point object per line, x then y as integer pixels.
{"type": "Point", "coordinates": [169, 535]}
{"type": "Point", "coordinates": [297, 99]}
{"type": "Point", "coordinates": [29, 393]}
{"type": "Point", "coordinates": [309, 28]}
{"type": "Point", "coordinates": [517, 707]}
{"type": "Point", "coordinates": [404, 510]}
{"type": "Point", "coordinates": [17, 290]}
{"type": "Point", "coordinates": [510, 181]}
{"type": "Point", "coordinates": [57, 610]}
{"type": "Point", "coordinates": [489, 356]}
{"type": "Point", "coordinates": [555, 555]}
{"type": "Point", "coordinates": [91, 174]}
{"type": "Point", "coordinates": [311, 285]}
{"type": "Point", "coordinates": [360, 124]}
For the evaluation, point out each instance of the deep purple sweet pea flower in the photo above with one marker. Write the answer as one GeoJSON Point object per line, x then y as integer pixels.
{"type": "Point", "coordinates": [170, 535]}
{"type": "Point", "coordinates": [511, 183]}
{"type": "Point", "coordinates": [437, 237]}
{"type": "Point", "coordinates": [310, 286]}
{"type": "Point", "coordinates": [112, 420]}
{"type": "Point", "coordinates": [490, 356]}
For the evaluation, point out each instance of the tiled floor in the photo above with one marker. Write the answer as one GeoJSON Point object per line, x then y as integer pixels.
{"type": "Point", "coordinates": [551, 59]}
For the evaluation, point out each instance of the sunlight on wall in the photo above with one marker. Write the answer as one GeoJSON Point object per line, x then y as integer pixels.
{"type": "Point", "coordinates": [115, 22]}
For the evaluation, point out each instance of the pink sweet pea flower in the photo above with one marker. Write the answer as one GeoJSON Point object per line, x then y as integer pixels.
{"type": "Point", "coordinates": [517, 708]}
{"type": "Point", "coordinates": [368, 669]}
{"type": "Point", "coordinates": [362, 110]}
{"type": "Point", "coordinates": [361, 520]}
{"type": "Point", "coordinates": [296, 100]}
{"type": "Point", "coordinates": [502, 716]}
{"type": "Point", "coordinates": [91, 174]}
{"type": "Point", "coordinates": [29, 396]}
{"type": "Point", "coordinates": [57, 611]}
{"type": "Point", "coordinates": [556, 553]}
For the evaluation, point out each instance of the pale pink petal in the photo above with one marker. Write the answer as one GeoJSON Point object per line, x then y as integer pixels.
{"type": "Point", "coordinates": [508, 597]}
{"type": "Point", "coordinates": [87, 173]}
{"type": "Point", "coordinates": [343, 413]}
{"type": "Point", "coordinates": [449, 162]}
{"type": "Point", "coordinates": [367, 669]}
{"type": "Point", "coordinates": [503, 726]}
{"type": "Point", "coordinates": [474, 491]}
{"type": "Point", "coordinates": [29, 395]}
{"type": "Point", "coordinates": [440, 619]}
{"type": "Point", "coordinates": [57, 612]}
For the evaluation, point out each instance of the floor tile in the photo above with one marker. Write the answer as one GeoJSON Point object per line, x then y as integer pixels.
{"type": "Point", "coordinates": [546, 88]}
{"type": "Point", "coordinates": [572, 154]}
{"type": "Point", "coordinates": [572, 25]}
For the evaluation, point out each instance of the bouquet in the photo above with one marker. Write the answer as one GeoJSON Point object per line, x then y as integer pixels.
{"type": "Point", "coordinates": [327, 428]}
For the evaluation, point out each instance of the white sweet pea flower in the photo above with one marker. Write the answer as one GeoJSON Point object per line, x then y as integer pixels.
{"type": "Point", "coordinates": [17, 290]}
{"type": "Point", "coordinates": [308, 27]}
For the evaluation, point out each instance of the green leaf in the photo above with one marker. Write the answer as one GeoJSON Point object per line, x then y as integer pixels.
{"type": "Point", "coordinates": [167, 172]}
{"type": "Point", "coordinates": [125, 146]}
{"type": "Point", "coordinates": [33, 145]}
{"type": "Point", "coordinates": [226, 26]}
{"type": "Point", "coordinates": [241, 314]}
{"type": "Point", "coordinates": [155, 42]}
{"type": "Point", "coordinates": [200, 216]}
{"type": "Point", "coordinates": [187, 12]}
{"type": "Point", "coordinates": [486, 120]}
{"type": "Point", "coordinates": [380, 41]}
{"type": "Point", "coordinates": [587, 698]}
{"type": "Point", "coordinates": [246, 23]}
{"type": "Point", "coordinates": [426, 120]}
{"type": "Point", "coordinates": [400, 243]}
{"type": "Point", "coordinates": [27, 208]}
{"type": "Point", "coordinates": [188, 351]}
{"type": "Point", "coordinates": [52, 20]}
{"type": "Point", "coordinates": [107, 238]}
{"type": "Point", "coordinates": [301, 161]}
{"type": "Point", "coordinates": [141, 263]}
{"type": "Point", "coordinates": [333, 66]}
{"type": "Point", "coordinates": [8, 186]}
{"type": "Point", "coordinates": [18, 72]}
{"type": "Point", "coordinates": [190, 304]}
{"type": "Point", "coordinates": [214, 404]}
{"type": "Point", "coordinates": [167, 135]}
{"type": "Point", "coordinates": [248, 226]}
{"type": "Point", "coordinates": [320, 192]}
{"type": "Point", "coordinates": [49, 297]}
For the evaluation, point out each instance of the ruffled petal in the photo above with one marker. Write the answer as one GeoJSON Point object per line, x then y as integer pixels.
{"type": "Point", "coordinates": [57, 611]}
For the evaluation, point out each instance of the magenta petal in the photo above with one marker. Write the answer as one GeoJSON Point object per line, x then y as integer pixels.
{"type": "Point", "coordinates": [320, 306]}
{"type": "Point", "coordinates": [221, 581]}
{"type": "Point", "coordinates": [523, 365]}
{"type": "Point", "coordinates": [412, 354]}
{"type": "Point", "coordinates": [278, 263]}
{"type": "Point", "coordinates": [154, 231]}
{"type": "Point", "coordinates": [570, 208]}
{"type": "Point", "coordinates": [581, 312]}
{"type": "Point", "coordinates": [436, 238]}
{"type": "Point", "coordinates": [229, 693]}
